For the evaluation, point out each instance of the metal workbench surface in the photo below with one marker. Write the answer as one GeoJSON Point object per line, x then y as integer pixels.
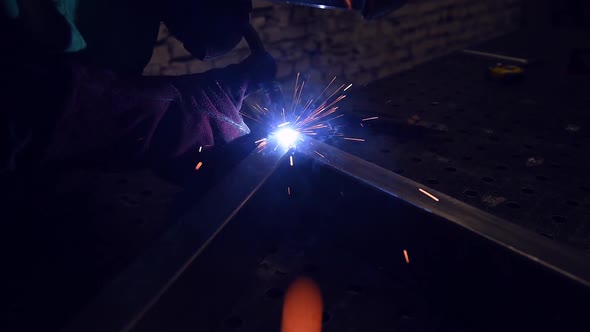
{"type": "Point", "coordinates": [518, 150]}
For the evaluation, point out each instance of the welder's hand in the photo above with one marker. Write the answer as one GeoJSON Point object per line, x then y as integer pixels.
{"type": "Point", "coordinates": [260, 68]}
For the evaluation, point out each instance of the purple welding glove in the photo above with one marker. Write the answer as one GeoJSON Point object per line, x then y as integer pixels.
{"type": "Point", "coordinates": [153, 118]}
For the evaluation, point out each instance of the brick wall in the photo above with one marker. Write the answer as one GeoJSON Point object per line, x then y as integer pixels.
{"type": "Point", "coordinates": [324, 43]}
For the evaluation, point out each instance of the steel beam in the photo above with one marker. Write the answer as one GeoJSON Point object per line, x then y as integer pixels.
{"type": "Point", "coordinates": [127, 298]}
{"type": "Point", "coordinates": [124, 302]}
{"type": "Point", "coordinates": [521, 241]}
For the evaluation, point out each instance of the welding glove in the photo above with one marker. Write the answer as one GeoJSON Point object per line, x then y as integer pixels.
{"type": "Point", "coordinates": [261, 68]}
{"type": "Point", "coordinates": [104, 113]}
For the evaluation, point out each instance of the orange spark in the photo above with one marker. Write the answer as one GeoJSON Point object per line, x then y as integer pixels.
{"type": "Point", "coordinates": [303, 307]}
{"type": "Point", "coordinates": [198, 166]}
{"type": "Point", "coordinates": [406, 256]}
{"type": "Point", "coordinates": [428, 194]}
{"type": "Point", "coordinates": [348, 4]}
{"type": "Point", "coordinates": [260, 147]}
{"type": "Point", "coordinates": [371, 118]}
{"type": "Point", "coordinates": [291, 160]}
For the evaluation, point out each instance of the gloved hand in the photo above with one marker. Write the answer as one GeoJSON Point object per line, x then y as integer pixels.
{"type": "Point", "coordinates": [154, 117]}
{"type": "Point", "coordinates": [261, 68]}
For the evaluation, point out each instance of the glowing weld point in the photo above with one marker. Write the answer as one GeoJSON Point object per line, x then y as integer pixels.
{"type": "Point", "coordinates": [428, 194]}
{"type": "Point", "coordinates": [371, 118]}
{"type": "Point", "coordinates": [406, 256]}
{"type": "Point", "coordinates": [291, 160]}
{"type": "Point", "coordinates": [286, 137]}
{"type": "Point", "coordinates": [198, 166]}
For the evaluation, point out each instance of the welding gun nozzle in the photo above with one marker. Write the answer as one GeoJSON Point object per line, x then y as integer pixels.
{"type": "Point", "coordinates": [274, 95]}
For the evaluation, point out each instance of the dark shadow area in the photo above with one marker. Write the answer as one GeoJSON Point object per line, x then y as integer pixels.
{"type": "Point", "coordinates": [351, 239]}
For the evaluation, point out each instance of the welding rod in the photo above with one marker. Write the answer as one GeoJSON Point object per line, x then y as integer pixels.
{"type": "Point", "coordinates": [497, 56]}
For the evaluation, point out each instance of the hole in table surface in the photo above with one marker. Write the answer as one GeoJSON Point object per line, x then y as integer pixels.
{"type": "Point", "coordinates": [275, 293]}
{"type": "Point", "coordinates": [234, 322]}
{"type": "Point", "coordinates": [513, 205]}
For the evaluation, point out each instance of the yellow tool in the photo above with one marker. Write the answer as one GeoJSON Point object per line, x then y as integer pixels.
{"type": "Point", "coordinates": [503, 71]}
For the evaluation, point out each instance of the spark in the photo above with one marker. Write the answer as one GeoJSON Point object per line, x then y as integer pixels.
{"type": "Point", "coordinates": [198, 167]}
{"type": "Point", "coordinates": [371, 118]}
{"type": "Point", "coordinates": [303, 115]}
{"type": "Point", "coordinates": [200, 148]}
{"type": "Point", "coordinates": [289, 190]}
{"type": "Point", "coordinates": [406, 256]}
{"type": "Point", "coordinates": [429, 194]}
{"type": "Point", "coordinates": [291, 160]}
{"type": "Point", "coordinates": [261, 145]}
{"type": "Point", "coordinates": [319, 154]}
{"type": "Point", "coordinates": [286, 137]}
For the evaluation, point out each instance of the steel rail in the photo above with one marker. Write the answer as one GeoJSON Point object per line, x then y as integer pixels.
{"type": "Point", "coordinates": [563, 260]}
{"type": "Point", "coordinates": [497, 56]}
{"type": "Point", "coordinates": [123, 302]}
{"type": "Point", "coordinates": [128, 298]}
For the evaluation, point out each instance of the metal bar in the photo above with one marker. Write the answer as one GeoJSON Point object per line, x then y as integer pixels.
{"type": "Point", "coordinates": [560, 259]}
{"type": "Point", "coordinates": [125, 300]}
{"type": "Point", "coordinates": [497, 56]}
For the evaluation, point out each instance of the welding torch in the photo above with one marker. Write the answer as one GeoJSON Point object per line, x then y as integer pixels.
{"type": "Point", "coordinates": [273, 94]}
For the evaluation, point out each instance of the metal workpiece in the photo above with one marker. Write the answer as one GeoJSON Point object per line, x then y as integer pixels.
{"type": "Point", "coordinates": [123, 302]}
{"type": "Point", "coordinates": [129, 297]}
{"type": "Point", "coordinates": [532, 246]}
{"type": "Point", "coordinates": [370, 9]}
{"type": "Point", "coordinates": [499, 57]}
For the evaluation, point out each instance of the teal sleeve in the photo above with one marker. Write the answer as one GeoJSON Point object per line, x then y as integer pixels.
{"type": "Point", "coordinates": [67, 8]}
{"type": "Point", "coordinates": [11, 8]}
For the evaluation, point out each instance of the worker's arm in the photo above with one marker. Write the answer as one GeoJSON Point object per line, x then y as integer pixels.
{"type": "Point", "coordinates": [44, 24]}
{"type": "Point", "coordinates": [208, 28]}
{"type": "Point", "coordinates": [143, 119]}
